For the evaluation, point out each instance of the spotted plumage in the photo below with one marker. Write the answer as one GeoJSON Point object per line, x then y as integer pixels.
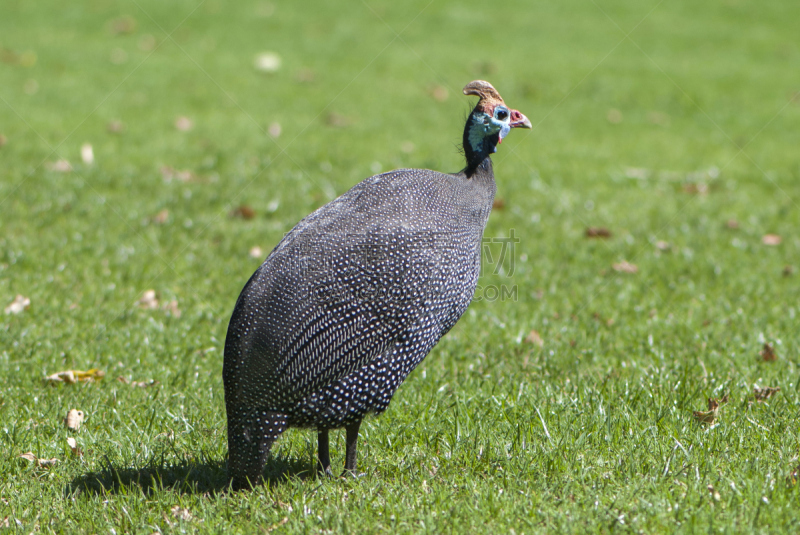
{"type": "Point", "coordinates": [355, 296]}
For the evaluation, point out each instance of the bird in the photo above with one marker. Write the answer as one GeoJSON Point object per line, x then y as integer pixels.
{"type": "Point", "coordinates": [355, 296]}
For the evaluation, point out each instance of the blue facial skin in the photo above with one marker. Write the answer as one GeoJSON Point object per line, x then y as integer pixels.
{"type": "Point", "coordinates": [484, 125]}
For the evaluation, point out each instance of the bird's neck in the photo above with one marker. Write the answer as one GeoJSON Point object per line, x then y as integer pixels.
{"type": "Point", "coordinates": [477, 149]}
{"type": "Point", "coordinates": [481, 169]}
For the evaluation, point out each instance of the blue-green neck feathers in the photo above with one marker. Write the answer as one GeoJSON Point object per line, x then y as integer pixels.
{"type": "Point", "coordinates": [482, 133]}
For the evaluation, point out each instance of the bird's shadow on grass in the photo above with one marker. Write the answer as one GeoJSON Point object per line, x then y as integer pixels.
{"type": "Point", "coordinates": [188, 477]}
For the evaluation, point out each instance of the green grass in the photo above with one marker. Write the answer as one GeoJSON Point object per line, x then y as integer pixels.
{"type": "Point", "coordinates": [593, 432]}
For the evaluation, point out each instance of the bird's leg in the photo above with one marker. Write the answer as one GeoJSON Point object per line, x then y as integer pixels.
{"type": "Point", "coordinates": [323, 452]}
{"type": "Point", "coordinates": [351, 452]}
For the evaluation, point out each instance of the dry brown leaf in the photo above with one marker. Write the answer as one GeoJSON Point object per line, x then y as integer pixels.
{"type": "Point", "coordinates": [768, 353]}
{"type": "Point", "coordinates": [122, 25]}
{"type": "Point", "coordinates": [439, 93]}
{"type": "Point", "coordinates": [243, 211]}
{"type": "Point", "coordinates": [161, 217]}
{"type": "Point", "coordinates": [696, 188]}
{"type": "Point", "coordinates": [19, 304]}
{"type": "Point", "coordinates": [115, 126]}
{"type": "Point", "coordinates": [535, 338]}
{"type": "Point", "coordinates": [709, 417]}
{"type": "Point", "coordinates": [149, 300]}
{"type": "Point", "coordinates": [181, 513]}
{"type": "Point", "coordinates": [625, 267]}
{"type": "Point", "coordinates": [73, 376]}
{"type": "Point", "coordinates": [61, 377]}
{"type": "Point", "coordinates": [60, 166]}
{"type": "Point", "coordinates": [771, 239]}
{"type": "Point", "coordinates": [499, 204]}
{"type": "Point", "coordinates": [43, 463]}
{"type": "Point", "coordinates": [762, 394]}
{"type": "Point", "coordinates": [337, 120]}
{"type": "Point", "coordinates": [184, 124]}
{"type": "Point", "coordinates": [598, 232]}
{"type": "Point", "coordinates": [705, 417]}
{"type": "Point", "coordinates": [73, 445]}
{"type": "Point", "coordinates": [256, 252]}
{"type": "Point", "coordinates": [74, 419]}
{"type": "Point", "coordinates": [171, 308]}
{"type": "Point", "coordinates": [183, 175]}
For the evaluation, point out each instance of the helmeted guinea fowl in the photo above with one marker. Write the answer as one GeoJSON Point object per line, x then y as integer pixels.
{"type": "Point", "coordinates": [355, 296]}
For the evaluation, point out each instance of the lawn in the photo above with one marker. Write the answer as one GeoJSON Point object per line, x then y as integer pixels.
{"type": "Point", "coordinates": [564, 399]}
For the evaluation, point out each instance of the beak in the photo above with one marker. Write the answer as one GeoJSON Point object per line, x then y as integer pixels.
{"type": "Point", "coordinates": [519, 121]}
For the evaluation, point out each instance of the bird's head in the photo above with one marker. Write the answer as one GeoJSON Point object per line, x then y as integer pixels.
{"type": "Point", "coordinates": [489, 122]}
